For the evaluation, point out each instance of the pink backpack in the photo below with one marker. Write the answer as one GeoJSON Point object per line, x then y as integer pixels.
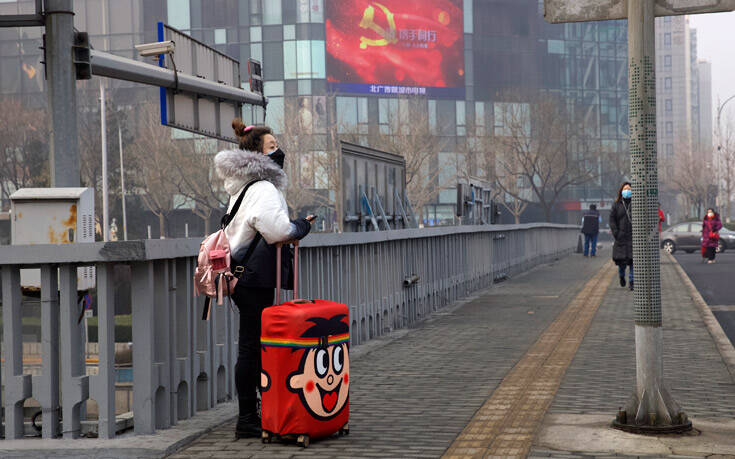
{"type": "Point", "coordinates": [213, 275]}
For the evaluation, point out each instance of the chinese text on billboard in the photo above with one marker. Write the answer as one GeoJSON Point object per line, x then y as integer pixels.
{"type": "Point", "coordinates": [412, 47]}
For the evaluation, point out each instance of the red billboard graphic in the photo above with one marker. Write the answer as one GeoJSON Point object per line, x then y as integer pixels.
{"type": "Point", "coordinates": [396, 46]}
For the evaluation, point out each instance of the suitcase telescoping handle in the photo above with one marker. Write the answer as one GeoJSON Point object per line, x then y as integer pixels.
{"type": "Point", "coordinates": [295, 269]}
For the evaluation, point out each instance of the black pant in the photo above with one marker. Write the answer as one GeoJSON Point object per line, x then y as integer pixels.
{"type": "Point", "coordinates": [250, 302]}
{"type": "Point", "coordinates": [709, 253]}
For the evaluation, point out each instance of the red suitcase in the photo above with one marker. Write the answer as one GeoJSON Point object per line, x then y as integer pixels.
{"type": "Point", "coordinates": [305, 367]}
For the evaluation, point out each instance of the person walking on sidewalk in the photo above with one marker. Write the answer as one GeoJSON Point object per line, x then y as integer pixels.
{"type": "Point", "coordinates": [661, 218]}
{"type": "Point", "coordinates": [263, 220]}
{"type": "Point", "coordinates": [710, 235]}
{"type": "Point", "coordinates": [621, 227]}
{"type": "Point", "coordinates": [590, 229]}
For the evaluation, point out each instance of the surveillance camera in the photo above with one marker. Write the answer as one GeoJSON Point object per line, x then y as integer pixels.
{"type": "Point", "coordinates": [154, 49]}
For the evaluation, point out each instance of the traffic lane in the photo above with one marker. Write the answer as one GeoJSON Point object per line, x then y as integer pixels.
{"type": "Point", "coordinates": [716, 284]}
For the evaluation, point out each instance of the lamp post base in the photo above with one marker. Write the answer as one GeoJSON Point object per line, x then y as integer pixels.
{"type": "Point", "coordinates": [652, 415]}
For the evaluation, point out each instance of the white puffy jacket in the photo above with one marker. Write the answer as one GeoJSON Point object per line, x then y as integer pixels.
{"type": "Point", "coordinates": [263, 207]}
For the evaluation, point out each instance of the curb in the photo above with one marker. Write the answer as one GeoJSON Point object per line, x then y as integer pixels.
{"type": "Point", "coordinates": [722, 342]}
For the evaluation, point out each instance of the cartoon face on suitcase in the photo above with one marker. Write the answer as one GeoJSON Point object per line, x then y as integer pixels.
{"type": "Point", "coordinates": [322, 380]}
{"type": "Point", "coordinates": [306, 371]}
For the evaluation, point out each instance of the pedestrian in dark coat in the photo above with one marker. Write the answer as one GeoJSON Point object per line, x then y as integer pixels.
{"type": "Point", "coordinates": [711, 225]}
{"type": "Point", "coordinates": [621, 227]}
{"type": "Point", "coordinates": [590, 229]}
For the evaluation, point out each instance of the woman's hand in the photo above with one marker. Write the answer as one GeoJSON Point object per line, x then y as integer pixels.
{"type": "Point", "coordinates": [310, 219]}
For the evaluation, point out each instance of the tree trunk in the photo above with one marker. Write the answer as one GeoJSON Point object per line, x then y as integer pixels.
{"type": "Point", "coordinates": [517, 218]}
{"type": "Point", "coordinates": [207, 225]}
{"type": "Point", "coordinates": [162, 226]}
{"type": "Point", "coordinates": [547, 213]}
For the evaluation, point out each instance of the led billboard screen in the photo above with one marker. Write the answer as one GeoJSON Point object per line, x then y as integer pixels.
{"type": "Point", "coordinates": [396, 47]}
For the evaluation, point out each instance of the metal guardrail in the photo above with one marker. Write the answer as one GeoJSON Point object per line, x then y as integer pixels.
{"type": "Point", "coordinates": [182, 365]}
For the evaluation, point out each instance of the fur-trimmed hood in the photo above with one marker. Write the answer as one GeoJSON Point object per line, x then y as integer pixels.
{"type": "Point", "coordinates": [238, 167]}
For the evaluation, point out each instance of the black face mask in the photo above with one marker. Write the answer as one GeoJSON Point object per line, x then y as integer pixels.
{"type": "Point", "coordinates": [278, 157]}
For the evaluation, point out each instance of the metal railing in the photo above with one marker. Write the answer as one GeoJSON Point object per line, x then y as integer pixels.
{"type": "Point", "coordinates": [182, 364]}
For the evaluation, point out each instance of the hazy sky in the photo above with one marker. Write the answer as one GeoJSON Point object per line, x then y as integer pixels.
{"type": "Point", "coordinates": [716, 43]}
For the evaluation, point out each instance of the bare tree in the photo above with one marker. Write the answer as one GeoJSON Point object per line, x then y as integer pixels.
{"type": "Point", "coordinates": [90, 144]}
{"type": "Point", "coordinates": [313, 160]}
{"type": "Point", "coordinates": [409, 133]}
{"type": "Point", "coordinates": [23, 147]}
{"type": "Point", "coordinates": [542, 146]}
{"type": "Point", "coordinates": [692, 178]}
{"type": "Point", "coordinates": [150, 157]}
{"type": "Point", "coordinates": [194, 177]}
{"type": "Point", "coordinates": [615, 164]}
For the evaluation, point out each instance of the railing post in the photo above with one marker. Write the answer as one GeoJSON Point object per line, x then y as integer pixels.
{"type": "Point", "coordinates": [161, 344]}
{"type": "Point", "coordinates": [173, 320]}
{"type": "Point", "coordinates": [46, 385]}
{"type": "Point", "coordinates": [144, 414]}
{"type": "Point", "coordinates": [103, 384]}
{"type": "Point", "coordinates": [185, 338]}
{"type": "Point", "coordinates": [17, 385]}
{"type": "Point", "coordinates": [74, 382]}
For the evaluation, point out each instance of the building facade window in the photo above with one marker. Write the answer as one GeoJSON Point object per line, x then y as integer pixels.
{"type": "Point", "coordinates": [468, 19]}
{"type": "Point", "coordinates": [667, 61]}
{"type": "Point", "coordinates": [667, 40]}
{"type": "Point", "coordinates": [668, 105]}
{"type": "Point", "coordinates": [272, 12]}
{"type": "Point", "coordinates": [667, 83]}
{"type": "Point", "coordinates": [309, 11]}
{"type": "Point", "coordinates": [220, 36]}
{"type": "Point", "coordinates": [669, 127]}
{"type": "Point", "coordinates": [179, 15]}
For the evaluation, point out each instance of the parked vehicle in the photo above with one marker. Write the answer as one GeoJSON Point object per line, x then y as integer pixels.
{"type": "Point", "coordinates": [687, 237]}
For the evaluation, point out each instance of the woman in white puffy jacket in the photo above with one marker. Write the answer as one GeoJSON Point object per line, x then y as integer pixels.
{"type": "Point", "coordinates": [263, 210]}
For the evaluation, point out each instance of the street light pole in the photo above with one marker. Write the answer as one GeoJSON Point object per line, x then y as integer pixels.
{"type": "Point", "coordinates": [122, 186]}
{"type": "Point", "coordinates": [718, 168]}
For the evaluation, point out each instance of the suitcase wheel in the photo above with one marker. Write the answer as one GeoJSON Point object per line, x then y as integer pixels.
{"type": "Point", "coordinates": [303, 441]}
{"type": "Point", "coordinates": [345, 430]}
{"type": "Point", "coordinates": [266, 437]}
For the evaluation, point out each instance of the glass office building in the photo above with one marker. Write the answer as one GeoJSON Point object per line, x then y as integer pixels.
{"type": "Point", "coordinates": [484, 47]}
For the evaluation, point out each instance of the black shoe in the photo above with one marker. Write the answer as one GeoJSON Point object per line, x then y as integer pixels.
{"type": "Point", "coordinates": [248, 426]}
{"type": "Point", "coordinates": [622, 282]}
{"type": "Point", "coordinates": [631, 285]}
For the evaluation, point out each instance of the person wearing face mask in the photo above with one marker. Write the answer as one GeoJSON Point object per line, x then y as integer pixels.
{"type": "Point", "coordinates": [710, 235]}
{"type": "Point", "coordinates": [621, 227]}
{"type": "Point", "coordinates": [262, 219]}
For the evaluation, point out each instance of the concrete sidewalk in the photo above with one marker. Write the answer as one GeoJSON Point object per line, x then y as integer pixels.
{"type": "Point", "coordinates": [537, 365]}
{"type": "Point", "coordinates": [602, 377]}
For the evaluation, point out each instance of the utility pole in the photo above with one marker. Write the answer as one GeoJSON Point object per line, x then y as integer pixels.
{"type": "Point", "coordinates": [105, 189]}
{"type": "Point", "coordinates": [651, 409]}
{"type": "Point", "coordinates": [651, 404]}
{"type": "Point", "coordinates": [122, 186]}
{"type": "Point", "coordinates": [62, 93]}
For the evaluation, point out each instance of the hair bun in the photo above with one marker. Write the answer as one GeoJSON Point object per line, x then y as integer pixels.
{"type": "Point", "coordinates": [239, 127]}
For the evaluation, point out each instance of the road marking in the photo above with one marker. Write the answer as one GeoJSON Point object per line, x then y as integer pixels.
{"type": "Point", "coordinates": [506, 424]}
{"type": "Point", "coordinates": [723, 308]}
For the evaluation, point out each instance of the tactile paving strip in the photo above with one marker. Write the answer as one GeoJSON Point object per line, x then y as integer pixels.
{"type": "Point", "coordinates": [505, 425]}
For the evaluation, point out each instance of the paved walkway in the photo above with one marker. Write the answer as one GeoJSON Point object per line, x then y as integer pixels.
{"type": "Point", "coordinates": [421, 394]}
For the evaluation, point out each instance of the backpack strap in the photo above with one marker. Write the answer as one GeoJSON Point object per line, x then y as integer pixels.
{"type": "Point", "coordinates": [227, 218]}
